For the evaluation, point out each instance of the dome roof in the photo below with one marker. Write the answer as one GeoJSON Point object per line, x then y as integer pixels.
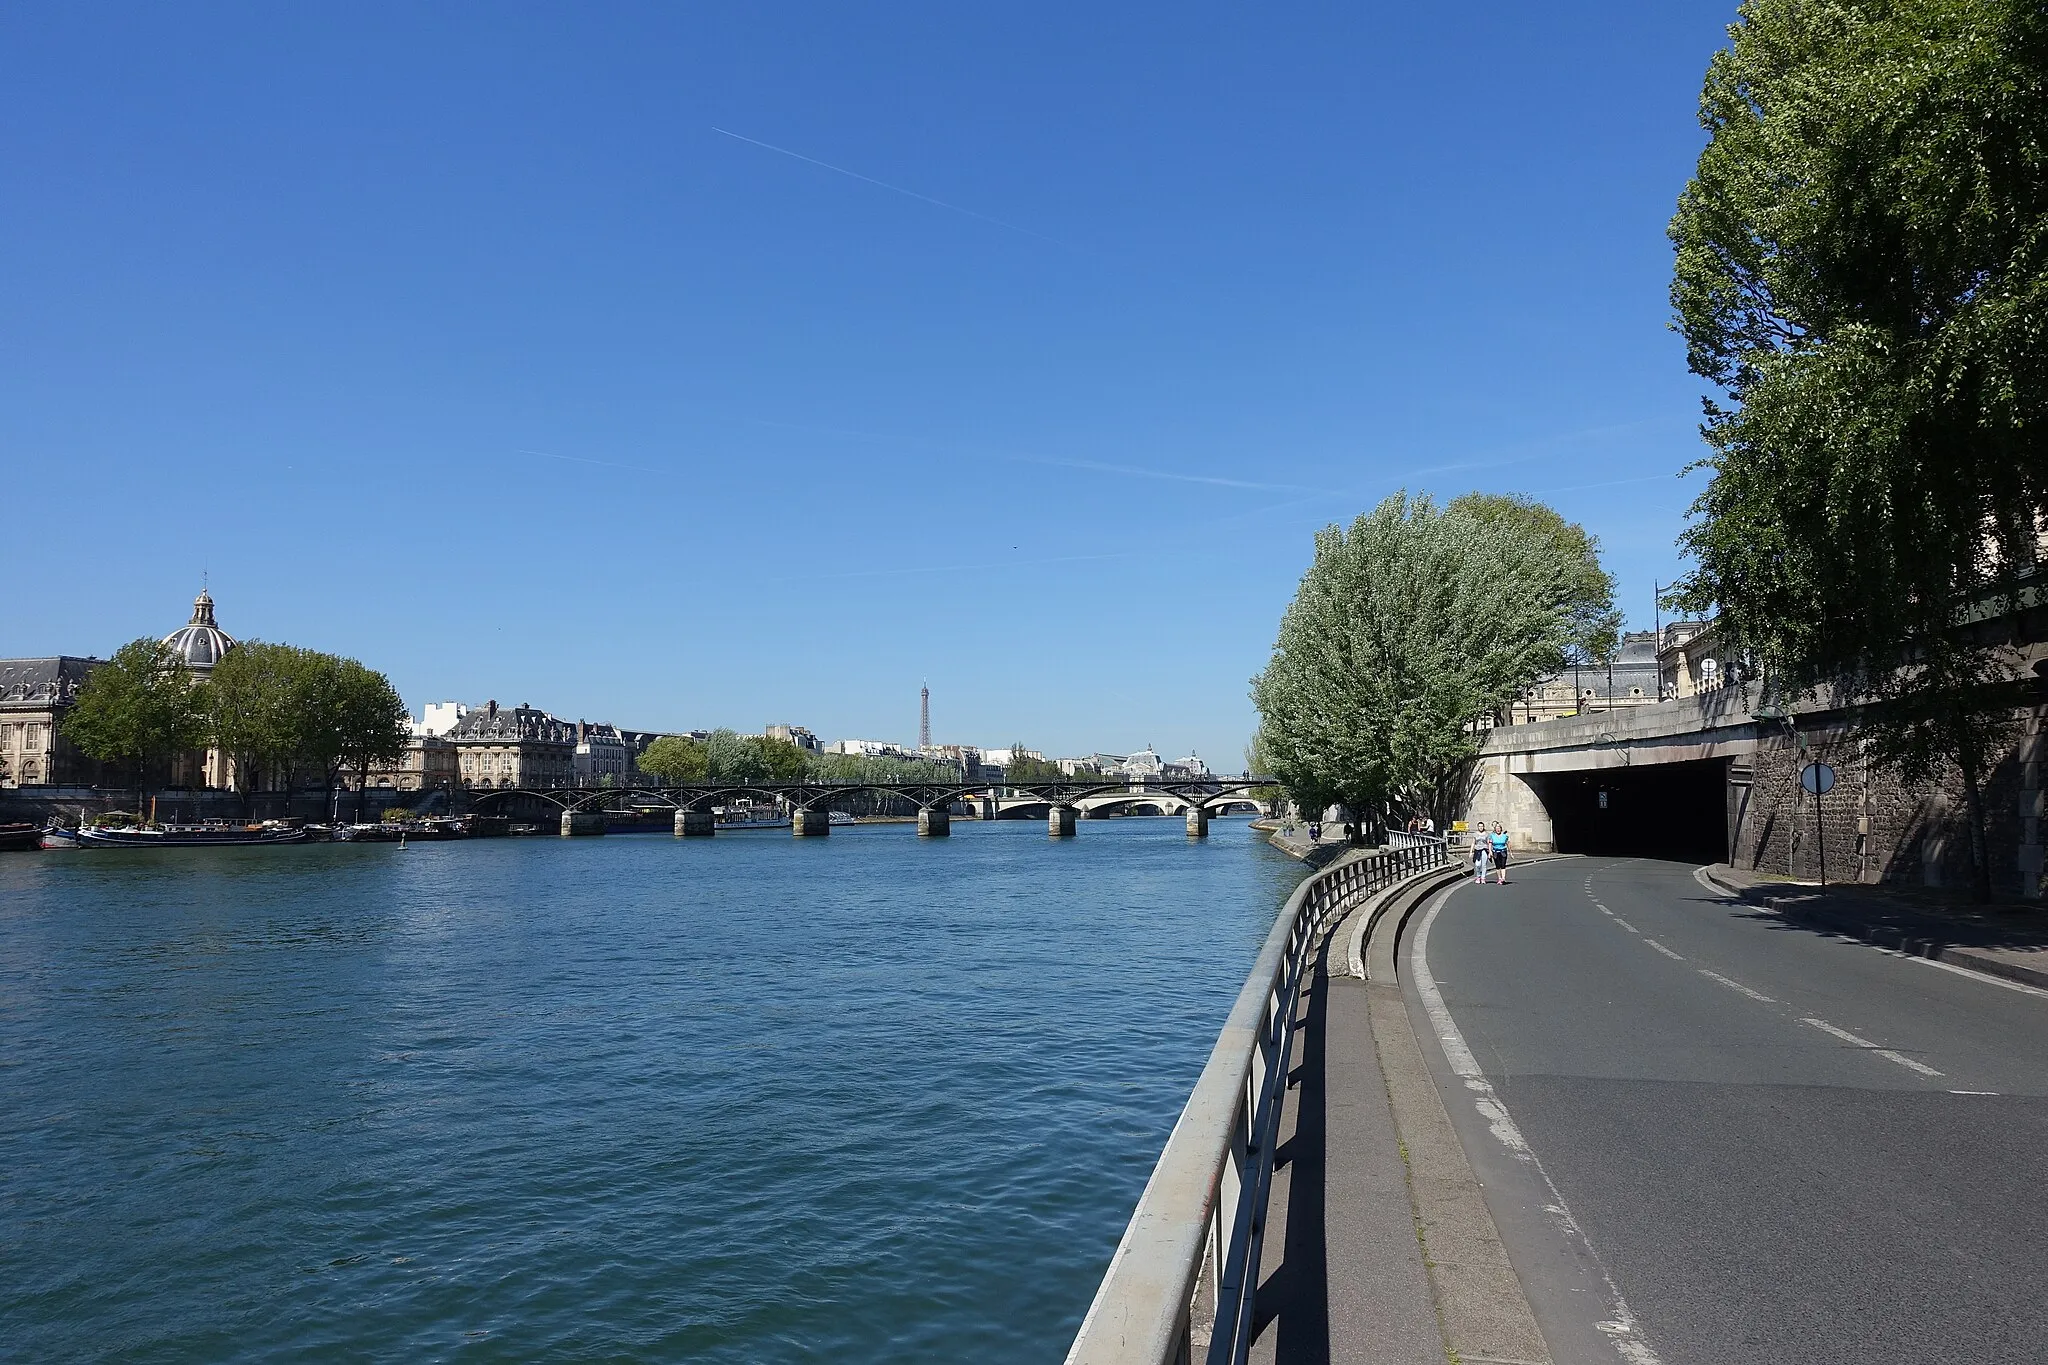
{"type": "Point", "coordinates": [201, 642]}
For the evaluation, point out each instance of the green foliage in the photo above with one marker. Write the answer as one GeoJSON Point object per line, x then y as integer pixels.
{"type": "Point", "coordinates": [784, 761]}
{"type": "Point", "coordinates": [140, 707]}
{"type": "Point", "coordinates": [1031, 769]}
{"type": "Point", "coordinates": [275, 707]}
{"type": "Point", "coordinates": [1862, 266]}
{"type": "Point", "coordinates": [1408, 631]}
{"type": "Point", "coordinates": [1587, 590]}
{"type": "Point", "coordinates": [396, 815]}
{"type": "Point", "coordinates": [676, 758]}
{"type": "Point", "coordinates": [367, 719]}
{"type": "Point", "coordinates": [881, 769]}
{"type": "Point", "coordinates": [254, 697]}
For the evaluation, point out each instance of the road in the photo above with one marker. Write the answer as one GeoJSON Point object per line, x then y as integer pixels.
{"type": "Point", "coordinates": [1724, 1138]}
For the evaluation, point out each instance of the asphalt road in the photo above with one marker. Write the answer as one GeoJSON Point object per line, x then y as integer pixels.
{"type": "Point", "coordinates": [1730, 1139]}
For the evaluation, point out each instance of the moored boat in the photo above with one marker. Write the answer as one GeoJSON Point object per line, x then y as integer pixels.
{"type": "Point", "coordinates": [188, 836]}
{"type": "Point", "coordinates": [15, 837]}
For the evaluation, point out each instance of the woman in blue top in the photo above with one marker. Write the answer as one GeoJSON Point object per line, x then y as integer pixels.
{"type": "Point", "coordinates": [1499, 840]}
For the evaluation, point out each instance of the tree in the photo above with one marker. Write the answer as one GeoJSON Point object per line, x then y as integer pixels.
{"type": "Point", "coordinates": [369, 721]}
{"type": "Point", "coordinates": [140, 707]}
{"type": "Point", "coordinates": [676, 758]}
{"type": "Point", "coordinates": [253, 712]}
{"type": "Point", "coordinates": [1862, 269]}
{"type": "Point", "coordinates": [1410, 632]}
{"type": "Point", "coordinates": [730, 758]}
{"type": "Point", "coordinates": [1020, 769]}
{"type": "Point", "coordinates": [779, 759]}
{"type": "Point", "coordinates": [1585, 589]}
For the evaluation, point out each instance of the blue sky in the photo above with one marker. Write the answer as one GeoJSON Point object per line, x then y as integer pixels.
{"type": "Point", "coordinates": [725, 365]}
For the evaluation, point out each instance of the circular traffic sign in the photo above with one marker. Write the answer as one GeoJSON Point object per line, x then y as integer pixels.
{"type": "Point", "coordinates": [1817, 778]}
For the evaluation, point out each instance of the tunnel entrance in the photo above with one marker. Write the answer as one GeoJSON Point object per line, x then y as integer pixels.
{"type": "Point", "coordinates": [1658, 810]}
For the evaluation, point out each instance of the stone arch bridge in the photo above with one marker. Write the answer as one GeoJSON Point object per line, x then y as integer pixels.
{"type": "Point", "coordinates": [810, 803]}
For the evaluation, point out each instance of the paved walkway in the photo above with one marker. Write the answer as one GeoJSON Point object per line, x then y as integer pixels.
{"type": "Point", "coordinates": [2008, 940]}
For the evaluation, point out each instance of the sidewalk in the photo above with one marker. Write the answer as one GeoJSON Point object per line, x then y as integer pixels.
{"type": "Point", "coordinates": [2008, 940]}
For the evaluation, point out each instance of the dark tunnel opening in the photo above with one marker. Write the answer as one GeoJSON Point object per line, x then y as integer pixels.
{"type": "Point", "coordinates": [1656, 810]}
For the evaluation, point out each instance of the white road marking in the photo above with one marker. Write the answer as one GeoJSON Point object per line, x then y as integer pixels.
{"type": "Point", "coordinates": [1973, 1092]}
{"type": "Point", "coordinates": [1699, 874]}
{"type": "Point", "coordinates": [1907, 1062]}
{"type": "Point", "coordinates": [1662, 949]}
{"type": "Point", "coordinates": [1737, 986]}
{"type": "Point", "coordinates": [1626, 925]}
{"type": "Point", "coordinates": [1621, 1326]}
{"type": "Point", "coordinates": [1985, 977]}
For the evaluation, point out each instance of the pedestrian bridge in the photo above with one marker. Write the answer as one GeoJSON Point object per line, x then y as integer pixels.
{"type": "Point", "coordinates": [583, 809]}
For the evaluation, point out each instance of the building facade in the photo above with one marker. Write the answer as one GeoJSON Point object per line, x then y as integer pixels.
{"type": "Point", "coordinates": [429, 763]}
{"type": "Point", "coordinates": [603, 757]}
{"type": "Point", "coordinates": [1631, 679]}
{"type": "Point", "coordinates": [518, 746]}
{"type": "Point", "coordinates": [797, 735]}
{"type": "Point", "coordinates": [35, 697]}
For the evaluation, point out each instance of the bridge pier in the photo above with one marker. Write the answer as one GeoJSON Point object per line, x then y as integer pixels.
{"type": "Point", "coordinates": [934, 822]}
{"type": "Point", "coordinates": [808, 823]}
{"type": "Point", "coordinates": [582, 822]}
{"type": "Point", "coordinates": [1059, 822]}
{"type": "Point", "coordinates": [692, 824]}
{"type": "Point", "coordinates": [1198, 822]}
{"type": "Point", "coordinates": [988, 807]}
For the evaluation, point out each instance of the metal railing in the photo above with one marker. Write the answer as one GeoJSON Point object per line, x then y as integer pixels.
{"type": "Point", "coordinates": [1204, 1209]}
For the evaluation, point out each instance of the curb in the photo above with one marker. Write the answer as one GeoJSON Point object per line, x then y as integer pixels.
{"type": "Point", "coordinates": [1882, 936]}
{"type": "Point", "coordinates": [1482, 1308]}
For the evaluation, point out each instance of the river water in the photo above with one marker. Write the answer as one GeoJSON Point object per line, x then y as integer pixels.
{"type": "Point", "coordinates": [751, 1098]}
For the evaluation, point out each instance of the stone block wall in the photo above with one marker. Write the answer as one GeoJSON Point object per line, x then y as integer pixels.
{"type": "Point", "coordinates": [1876, 828]}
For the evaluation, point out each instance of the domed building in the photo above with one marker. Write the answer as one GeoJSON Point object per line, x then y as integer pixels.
{"type": "Point", "coordinates": [202, 642]}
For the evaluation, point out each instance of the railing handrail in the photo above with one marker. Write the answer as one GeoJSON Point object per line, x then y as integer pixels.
{"type": "Point", "coordinates": [1220, 1151]}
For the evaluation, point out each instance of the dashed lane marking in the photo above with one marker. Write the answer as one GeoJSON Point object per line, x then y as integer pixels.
{"type": "Point", "coordinates": [1626, 925]}
{"type": "Point", "coordinates": [1662, 949]}
{"type": "Point", "coordinates": [1907, 1062]}
{"type": "Point", "coordinates": [1737, 986]}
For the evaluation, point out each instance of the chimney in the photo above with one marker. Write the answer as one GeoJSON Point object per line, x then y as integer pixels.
{"type": "Point", "coordinates": [491, 709]}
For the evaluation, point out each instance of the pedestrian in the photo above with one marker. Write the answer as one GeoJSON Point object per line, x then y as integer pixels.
{"type": "Point", "coordinates": [1482, 854]}
{"type": "Point", "coordinates": [1498, 841]}
{"type": "Point", "coordinates": [1315, 831]}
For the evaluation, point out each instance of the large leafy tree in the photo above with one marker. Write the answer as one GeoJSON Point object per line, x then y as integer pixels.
{"type": "Point", "coordinates": [370, 724]}
{"type": "Point", "coordinates": [1409, 632]}
{"type": "Point", "coordinates": [256, 701]}
{"type": "Point", "coordinates": [139, 708]}
{"type": "Point", "coordinates": [1862, 268]}
{"type": "Point", "coordinates": [676, 758]}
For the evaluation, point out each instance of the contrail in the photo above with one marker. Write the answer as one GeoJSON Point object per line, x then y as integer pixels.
{"type": "Point", "coordinates": [954, 568]}
{"type": "Point", "coordinates": [898, 189]}
{"type": "Point", "coordinates": [1056, 462]}
{"type": "Point", "coordinates": [608, 464]}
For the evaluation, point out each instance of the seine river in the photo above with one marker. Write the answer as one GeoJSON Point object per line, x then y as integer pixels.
{"type": "Point", "coordinates": [751, 1098]}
